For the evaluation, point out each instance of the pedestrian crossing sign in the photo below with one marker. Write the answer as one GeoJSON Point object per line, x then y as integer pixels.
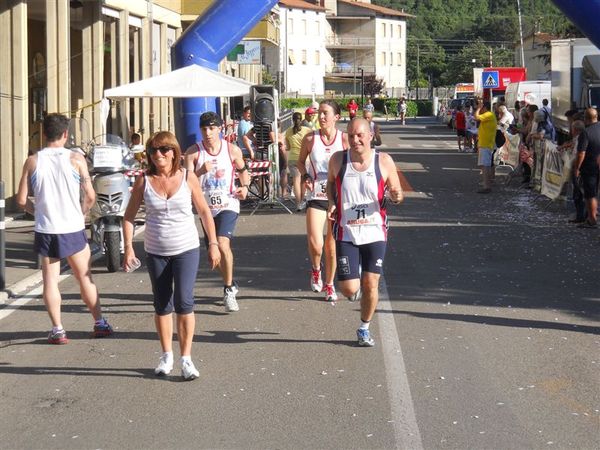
{"type": "Point", "coordinates": [490, 80]}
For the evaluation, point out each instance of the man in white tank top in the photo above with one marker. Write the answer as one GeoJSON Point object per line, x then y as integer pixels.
{"type": "Point", "coordinates": [356, 184]}
{"type": "Point", "coordinates": [55, 176]}
{"type": "Point", "coordinates": [215, 161]}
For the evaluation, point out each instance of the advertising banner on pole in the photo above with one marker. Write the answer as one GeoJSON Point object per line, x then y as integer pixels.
{"type": "Point", "coordinates": [246, 52]}
{"type": "Point", "coordinates": [556, 170]}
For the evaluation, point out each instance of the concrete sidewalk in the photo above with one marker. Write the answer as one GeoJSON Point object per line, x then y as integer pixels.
{"type": "Point", "coordinates": [21, 262]}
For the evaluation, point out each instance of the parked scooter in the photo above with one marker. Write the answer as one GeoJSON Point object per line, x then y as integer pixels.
{"type": "Point", "coordinates": [111, 164]}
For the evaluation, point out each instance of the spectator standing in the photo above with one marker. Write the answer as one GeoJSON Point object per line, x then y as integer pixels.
{"type": "Point", "coordinates": [352, 108]}
{"type": "Point", "coordinates": [172, 245]}
{"type": "Point", "coordinates": [310, 118]}
{"type": "Point", "coordinates": [487, 136]}
{"type": "Point", "coordinates": [472, 133]}
{"type": "Point", "coordinates": [215, 161]}
{"type": "Point", "coordinates": [461, 128]}
{"type": "Point", "coordinates": [356, 184]}
{"type": "Point", "coordinates": [243, 127]}
{"type": "Point", "coordinates": [402, 108]}
{"type": "Point", "coordinates": [373, 128]}
{"type": "Point", "coordinates": [547, 110]}
{"type": "Point", "coordinates": [62, 189]}
{"type": "Point", "coordinates": [577, 127]}
{"type": "Point", "coordinates": [369, 107]}
{"type": "Point", "coordinates": [586, 165]}
{"type": "Point", "coordinates": [293, 138]}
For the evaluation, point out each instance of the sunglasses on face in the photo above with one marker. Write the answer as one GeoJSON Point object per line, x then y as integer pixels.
{"type": "Point", "coordinates": [163, 149]}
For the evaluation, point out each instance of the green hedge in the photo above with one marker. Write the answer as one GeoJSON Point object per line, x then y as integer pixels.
{"type": "Point", "coordinates": [295, 103]}
{"type": "Point", "coordinates": [414, 108]}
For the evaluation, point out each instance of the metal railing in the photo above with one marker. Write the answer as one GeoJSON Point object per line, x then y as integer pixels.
{"type": "Point", "coordinates": [345, 68]}
{"type": "Point", "coordinates": [349, 41]}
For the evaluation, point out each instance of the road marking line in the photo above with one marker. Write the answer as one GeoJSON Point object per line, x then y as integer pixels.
{"type": "Point", "coordinates": [22, 298]}
{"type": "Point", "coordinates": [406, 429]}
{"type": "Point", "coordinates": [25, 298]}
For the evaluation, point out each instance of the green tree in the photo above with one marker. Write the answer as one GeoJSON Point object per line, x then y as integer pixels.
{"type": "Point", "coordinates": [446, 35]}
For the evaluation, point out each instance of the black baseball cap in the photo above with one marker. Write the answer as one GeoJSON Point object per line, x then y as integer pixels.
{"type": "Point", "coordinates": [209, 119]}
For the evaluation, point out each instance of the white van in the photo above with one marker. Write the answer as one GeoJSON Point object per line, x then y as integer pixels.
{"type": "Point", "coordinates": [532, 92]}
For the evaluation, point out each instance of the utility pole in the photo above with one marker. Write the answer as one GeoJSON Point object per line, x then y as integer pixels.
{"type": "Point", "coordinates": [521, 34]}
{"type": "Point", "coordinates": [418, 71]}
{"type": "Point", "coordinates": [491, 58]}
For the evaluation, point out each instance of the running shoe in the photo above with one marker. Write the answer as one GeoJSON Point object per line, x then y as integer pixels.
{"type": "Point", "coordinates": [165, 365]}
{"type": "Point", "coordinates": [330, 295]}
{"type": "Point", "coordinates": [189, 371]}
{"type": "Point", "coordinates": [102, 329]}
{"type": "Point", "coordinates": [364, 338]}
{"type": "Point", "coordinates": [301, 206]}
{"type": "Point", "coordinates": [58, 338]}
{"type": "Point", "coordinates": [316, 283]}
{"type": "Point", "coordinates": [356, 296]}
{"type": "Point", "coordinates": [231, 304]}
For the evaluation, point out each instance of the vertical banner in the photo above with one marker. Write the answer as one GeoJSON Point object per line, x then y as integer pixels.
{"type": "Point", "coordinates": [556, 171]}
{"type": "Point", "coordinates": [538, 164]}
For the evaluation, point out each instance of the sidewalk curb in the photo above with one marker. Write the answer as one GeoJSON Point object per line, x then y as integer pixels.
{"type": "Point", "coordinates": [18, 289]}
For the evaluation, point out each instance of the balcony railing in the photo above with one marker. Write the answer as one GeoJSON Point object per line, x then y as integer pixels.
{"type": "Point", "coordinates": [349, 41]}
{"type": "Point", "coordinates": [349, 69]}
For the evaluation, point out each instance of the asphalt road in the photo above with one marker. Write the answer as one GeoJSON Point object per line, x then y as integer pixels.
{"type": "Point", "coordinates": [486, 336]}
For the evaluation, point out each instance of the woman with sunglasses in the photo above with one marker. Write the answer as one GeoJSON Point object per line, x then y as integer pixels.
{"type": "Point", "coordinates": [172, 245]}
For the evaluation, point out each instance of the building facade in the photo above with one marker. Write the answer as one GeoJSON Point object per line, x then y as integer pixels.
{"type": "Point", "coordinates": [536, 50]}
{"type": "Point", "coordinates": [63, 55]}
{"type": "Point", "coordinates": [302, 53]}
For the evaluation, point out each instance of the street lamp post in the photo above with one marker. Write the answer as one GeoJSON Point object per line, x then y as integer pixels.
{"type": "Point", "coordinates": [362, 87]}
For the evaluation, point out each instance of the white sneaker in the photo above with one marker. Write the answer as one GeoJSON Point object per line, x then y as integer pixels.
{"type": "Point", "coordinates": [330, 295]}
{"type": "Point", "coordinates": [189, 371]}
{"type": "Point", "coordinates": [356, 296]}
{"type": "Point", "coordinates": [231, 304]}
{"type": "Point", "coordinates": [316, 282]}
{"type": "Point", "coordinates": [165, 365]}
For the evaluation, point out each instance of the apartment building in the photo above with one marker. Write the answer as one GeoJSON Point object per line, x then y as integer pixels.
{"type": "Point", "coordinates": [365, 40]}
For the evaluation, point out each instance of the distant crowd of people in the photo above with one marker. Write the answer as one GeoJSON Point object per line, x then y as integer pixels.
{"type": "Point", "coordinates": [484, 129]}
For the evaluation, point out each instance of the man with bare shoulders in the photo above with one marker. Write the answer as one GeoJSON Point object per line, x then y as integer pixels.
{"type": "Point", "coordinates": [215, 161]}
{"type": "Point", "coordinates": [356, 186]}
{"type": "Point", "coordinates": [55, 177]}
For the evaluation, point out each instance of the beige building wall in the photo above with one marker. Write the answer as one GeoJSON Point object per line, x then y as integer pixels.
{"type": "Point", "coordinates": [59, 58]}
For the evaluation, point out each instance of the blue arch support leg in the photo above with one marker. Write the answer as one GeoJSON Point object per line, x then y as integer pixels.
{"type": "Point", "coordinates": [206, 42]}
{"type": "Point", "coordinates": [584, 16]}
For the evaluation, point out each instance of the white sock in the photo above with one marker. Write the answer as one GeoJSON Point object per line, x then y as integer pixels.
{"type": "Point", "coordinates": [57, 329]}
{"type": "Point", "coordinates": [169, 355]}
{"type": "Point", "coordinates": [364, 325]}
{"type": "Point", "coordinates": [186, 359]}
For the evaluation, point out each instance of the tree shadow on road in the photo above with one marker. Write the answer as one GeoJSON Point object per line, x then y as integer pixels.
{"type": "Point", "coordinates": [500, 321]}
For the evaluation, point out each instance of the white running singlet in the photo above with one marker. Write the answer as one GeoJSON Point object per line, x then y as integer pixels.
{"type": "Point", "coordinates": [219, 183]}
{"type": "Point", "coordinates": [360, 217]}
{"type": "Point", "coordinates": [319, 163]}
{"type": "Point", "coordinates": [56, 187]}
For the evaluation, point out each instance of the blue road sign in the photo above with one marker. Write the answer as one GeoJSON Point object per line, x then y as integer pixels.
{"type": "Point", "coordinates": [490, 80]}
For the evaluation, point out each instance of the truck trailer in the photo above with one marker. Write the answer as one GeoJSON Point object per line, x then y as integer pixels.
{"type": "Point", "coordinates": [575, 69]}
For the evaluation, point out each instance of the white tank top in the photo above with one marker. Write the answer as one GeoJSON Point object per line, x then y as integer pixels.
{"type": "Point", "coordinates": [218, 184]}
{"type": "Point", "coordinates": [360, 217]}
{"type": "Point", "coordinates": [57, 190]}
{"type": "Point", "coordinates": [170, 226]}
{"type": "Point", "coordinates": [319, 162]}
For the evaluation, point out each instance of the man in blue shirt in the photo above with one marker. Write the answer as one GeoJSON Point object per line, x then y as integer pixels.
{"type": "Point", "coordinates": [244, 126]}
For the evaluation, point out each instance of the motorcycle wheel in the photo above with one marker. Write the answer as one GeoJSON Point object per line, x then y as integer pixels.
{"type": "Point", "coordinates": [112, 250]}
